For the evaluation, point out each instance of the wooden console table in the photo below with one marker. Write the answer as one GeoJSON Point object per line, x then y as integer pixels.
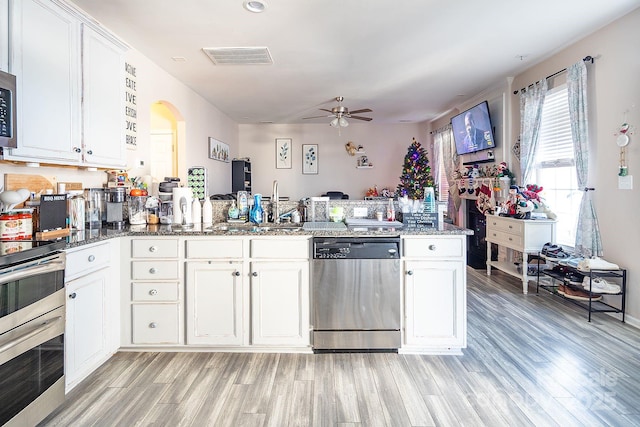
{"type": "Point", "coordinates": [523, 235]}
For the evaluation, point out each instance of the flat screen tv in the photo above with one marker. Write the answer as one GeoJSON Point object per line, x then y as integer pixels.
{"type": "Point", "coordinates": [472, 129]}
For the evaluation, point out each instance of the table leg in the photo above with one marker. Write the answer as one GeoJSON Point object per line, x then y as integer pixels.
{"type": "Point", "coordinates": [525, 276]}
{"type": "Point", "coordinates": [488, 258]}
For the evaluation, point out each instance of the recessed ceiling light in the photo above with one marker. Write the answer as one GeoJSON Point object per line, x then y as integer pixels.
{"type": "Point", "coordinates": [255, 6]}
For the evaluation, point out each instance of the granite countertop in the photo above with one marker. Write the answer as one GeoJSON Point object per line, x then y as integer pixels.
{"type": "Point", "coordinates": [83, 237]}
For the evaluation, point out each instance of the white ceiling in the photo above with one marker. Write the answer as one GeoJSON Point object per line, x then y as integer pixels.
{"type": "Point", "coordinates": [407, 60]}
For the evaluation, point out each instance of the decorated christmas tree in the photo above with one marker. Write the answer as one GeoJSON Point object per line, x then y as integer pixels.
{"type": "Point", "coordinates": [416, 172]}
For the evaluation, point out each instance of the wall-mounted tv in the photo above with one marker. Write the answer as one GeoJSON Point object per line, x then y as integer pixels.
{"type": "Point", "coordinates": [472, 129]}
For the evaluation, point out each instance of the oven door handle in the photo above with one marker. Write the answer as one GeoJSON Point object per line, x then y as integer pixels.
{"type": "Point", "coordinates": [43, 326]}
{"type": "Point", "coordinates": [31, 271]}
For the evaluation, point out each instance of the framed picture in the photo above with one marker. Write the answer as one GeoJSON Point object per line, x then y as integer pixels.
{"type": "Point", "coordinates": [218, 150]}
{"type": "Point", "coordinates": [283, 153]}
{"type": "Point", "coordinates": [309, 159]}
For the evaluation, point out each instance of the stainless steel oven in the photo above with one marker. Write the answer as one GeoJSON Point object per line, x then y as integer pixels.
{"type": "Point", "coordinates": [356, 294]}
{"type": "Point", "coordinates": [32, 322]}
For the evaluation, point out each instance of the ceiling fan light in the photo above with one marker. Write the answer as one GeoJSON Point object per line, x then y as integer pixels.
{"type": "Point", "coordinates": [343, 122]}
{"type": "Point", "coordinates": [335, 123]}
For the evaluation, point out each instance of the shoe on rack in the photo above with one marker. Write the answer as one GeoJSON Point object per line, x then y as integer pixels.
{"type": "Point", "coordinates": [596, 263]}
{"type": "Point", "coordinates": [571, 261]}
{"type": "Point", "coordinates": [562, 289]}
{"type": "Point", "coordinates": [600, 286]}
{"type": "Point", "coordinates": [574, 278]}
{"type": "Point", "coordinates": [555, 253]}
{"type": "Point", "coordinates": [580, 295]}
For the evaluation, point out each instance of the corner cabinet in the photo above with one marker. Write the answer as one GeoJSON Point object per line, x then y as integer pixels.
{"type": "Point", "coordinates": [70, 87]}
{"type": "Point", "coordinates": [435, 304]}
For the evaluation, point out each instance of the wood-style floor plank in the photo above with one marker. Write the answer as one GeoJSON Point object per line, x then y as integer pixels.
{"type": "Point", "coordinates": [532, 360]}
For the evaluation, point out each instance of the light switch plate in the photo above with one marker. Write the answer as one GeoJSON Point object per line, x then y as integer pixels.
{"type": "Point", "coordinates": [360, 212]}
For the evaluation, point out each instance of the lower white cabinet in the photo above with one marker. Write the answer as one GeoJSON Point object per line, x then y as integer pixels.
{"type": "Point", "coordinates": [214, 302]}
{"type": "Point", "coordinates": [280, 303]}
{"type": "Point", "coordinates": [435, 289]}
{"type": "Point", "coordinates": [92, 314]}
{"type": "Point", "coordinates": [85, 334]}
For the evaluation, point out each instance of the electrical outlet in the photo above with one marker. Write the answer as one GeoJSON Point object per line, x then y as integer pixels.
{"type": "Point", "coordinates": [360, 212]}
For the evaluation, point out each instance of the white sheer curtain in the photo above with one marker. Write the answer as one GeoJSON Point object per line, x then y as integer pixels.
{"type": "Point", "coordinates": [588, 242]}
{"type": "Point", "coordinates": [444, 146]}
{"type": "Point", "coordinates": [531, 101]}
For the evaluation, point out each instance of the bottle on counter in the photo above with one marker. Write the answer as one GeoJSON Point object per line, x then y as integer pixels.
{"type": "Point", "coordinates": [256, 215]}
{"type": "Point", "coordinates": [429, 200]}
{"type": "Point", "coordinates": [391, 211]}
{"type": "Point", "coordinates": [207, 211]}
{"type": "Point", "coordinates": [196, 211]}
{"type": "Point", "coordinates": [233, 212]}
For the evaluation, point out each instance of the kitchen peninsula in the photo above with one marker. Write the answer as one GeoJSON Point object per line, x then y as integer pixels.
{"type": "Point", "coordinates": [246, 290]}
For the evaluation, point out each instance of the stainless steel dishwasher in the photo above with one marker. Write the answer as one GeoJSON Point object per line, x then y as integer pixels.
{"type": "Point", "coordinates": [356, 293]}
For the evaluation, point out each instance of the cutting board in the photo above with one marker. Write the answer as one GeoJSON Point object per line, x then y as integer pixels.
{"type": "Point", "coordinates": [33, 183]}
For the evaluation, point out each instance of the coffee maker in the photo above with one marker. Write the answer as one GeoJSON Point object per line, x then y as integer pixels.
{"type": "Point", "coordinates": [115, 198]}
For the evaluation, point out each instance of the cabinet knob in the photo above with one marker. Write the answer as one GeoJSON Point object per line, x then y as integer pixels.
{"type": "Point", "coordinates": [254, 274]}
{"type": "Point", "coordinates": [237, 273]}
{"type": "Point", "coordinates": [153, 292]}
{"type": "Point", "coordinates": [153, 248]}
{"type": "Point", "coordinates": [153, 270]}
{"type": "Point", "coordinates": [91, 258]}
{"type": "Point", "coordinates": [432, 247]}
{"type": "Point", "coordinates": [89, 152]}
{"type": "Point", "coordinates": [153, 325]}
{"type": "Point", "coordinates": [77, 149]}
{"type": "Point", "coordinates": [72, 296]}
{"type": "Point", "coordinates": [410, 273]}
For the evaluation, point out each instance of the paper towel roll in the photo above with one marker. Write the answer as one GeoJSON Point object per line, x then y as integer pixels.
{"type": "Point", "coordinates": [178, 193]}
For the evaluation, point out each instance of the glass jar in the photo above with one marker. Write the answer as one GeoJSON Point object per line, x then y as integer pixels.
{"type": "Point", "coordinates": [137, 210]}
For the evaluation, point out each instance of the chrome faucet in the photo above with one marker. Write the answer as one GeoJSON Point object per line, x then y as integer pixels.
{"type": "Point", "coordinates": [275, 211]}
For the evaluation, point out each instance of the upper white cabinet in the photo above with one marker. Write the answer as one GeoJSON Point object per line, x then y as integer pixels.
{"type": "Point", "coordinates": [70, 87]}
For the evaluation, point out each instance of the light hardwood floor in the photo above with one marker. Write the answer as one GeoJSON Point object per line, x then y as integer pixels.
{"type": "Point", "coordinates": [532, 360]}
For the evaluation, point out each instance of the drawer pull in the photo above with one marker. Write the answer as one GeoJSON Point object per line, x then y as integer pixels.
{"type": "Point", "coordinates": [91, 258]}
{"type": "Point", "coordinates": [72, 296]}
{"type": "Point", "coordinates": [511, 226]}
{"type": "Point", "coordinates": [153, 270]}
{"type": "Point", "coordinates": [510, 239]}
{"type": "Point", "coordinates": [410, 273]}
{"type": "Point", "coordinates": [153, 292]}
{"type": "Point", "coordinates": [236, 273]}
{"type": "Point", "coordinates": [254, 274]}
{"type": "Point", "coordinates": [432, 247]}
{"type": "Point", "coordinates": [153, 325]}
{"type": "Point", "coordinates": [153, 248]}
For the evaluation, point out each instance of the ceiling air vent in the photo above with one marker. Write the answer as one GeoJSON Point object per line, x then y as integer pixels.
{"type": "Point", "coordinates": [238, 55]}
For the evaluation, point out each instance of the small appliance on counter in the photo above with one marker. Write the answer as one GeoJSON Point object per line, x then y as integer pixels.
{"type": "Point", "coordinates": [165, 188]}
{"type": "Point", "coordinates": [95, 211]}
{"type": "Point", "coordinates": [115, 204]}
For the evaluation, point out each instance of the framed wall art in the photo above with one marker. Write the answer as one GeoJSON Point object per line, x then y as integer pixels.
{"type": "Point", "coordinates": [283, 153]}
{"type": "Point", "coordinates": [309, 159]}
{"type": "Point", "coordinates": [218, 150]}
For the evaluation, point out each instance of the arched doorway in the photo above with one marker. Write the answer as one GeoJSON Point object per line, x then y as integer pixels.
{"type": "Point", "coordinates": [167, 142]}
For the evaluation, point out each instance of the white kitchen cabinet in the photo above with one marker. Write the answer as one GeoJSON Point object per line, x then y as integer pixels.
{"type": "Point", "coordinates": [152, 293]}
{"type": "Point", "coordinates": [91, 310]}
{"type": "Point", "coordinates": [280, 292]}
{"type": "Point", "coordinates": [214, 302]}
{"type": "Point", "coordinates": [70, 85]}
{"type": "Point", "coordinates": [435, 310]}
{"type": "Point", "coordinates": [45, 54]}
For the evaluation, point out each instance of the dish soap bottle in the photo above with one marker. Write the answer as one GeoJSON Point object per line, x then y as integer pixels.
{"type": "Point", "coordinates": [196, 211]}
{"type": "Point", "coordinates": [257, 213]}
{"type": "Point", "coordinates": [233, 212]}
{"type": "Point", "coordinates": [391, 211]}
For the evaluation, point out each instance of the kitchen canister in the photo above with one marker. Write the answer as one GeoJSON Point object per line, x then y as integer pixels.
{"type": "Point", "coordinates": [76, 206]}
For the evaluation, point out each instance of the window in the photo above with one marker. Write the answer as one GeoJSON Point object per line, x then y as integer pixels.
{"type": "Point", "coordinates": [555, 167]}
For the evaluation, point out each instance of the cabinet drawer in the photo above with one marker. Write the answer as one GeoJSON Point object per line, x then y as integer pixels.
{"type": "Point", "coordinates": [158, 291]}
{"type": "Point", "coordinates": [154, 248]}
{"type": "Point", "coordinates": [505, 224]}
{"type": "Point", "coordinates": [158, 270]}
{"type": "Point", "coordinates": [513, 241]}
{"type": "Point", "coordinates": [215, 248]}
{"type": "Point", "coordinates": [280, 248]}
{"type": "Point", "coordinates": [156, 324]}
{"type": "Point", "coordinates": [433, 247]}
{"type": "Point", "coordinates": [87, 259]}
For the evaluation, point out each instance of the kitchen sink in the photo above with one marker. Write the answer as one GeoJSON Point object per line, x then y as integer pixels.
{"type": "Point", "coordinates": [253, 228]}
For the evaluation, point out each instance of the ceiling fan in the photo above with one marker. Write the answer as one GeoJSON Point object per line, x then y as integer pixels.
{"type": "Point", "coordinates": [340, 114]}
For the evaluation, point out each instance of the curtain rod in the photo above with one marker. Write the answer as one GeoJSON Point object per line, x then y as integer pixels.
{"type": "Point", "coordinates": [585, 59]}
{"type": "Point", "coordinates": [441, 129]}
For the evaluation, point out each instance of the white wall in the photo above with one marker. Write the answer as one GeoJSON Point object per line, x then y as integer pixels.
{"type": "Point", "coordinates": [385, 146]}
